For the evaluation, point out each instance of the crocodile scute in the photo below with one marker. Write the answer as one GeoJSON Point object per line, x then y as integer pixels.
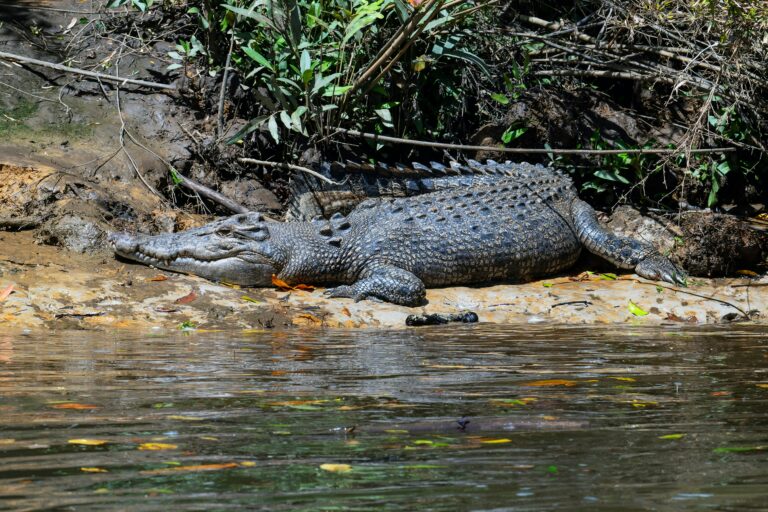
{"type": "Point", "coordinates": [514, 224]}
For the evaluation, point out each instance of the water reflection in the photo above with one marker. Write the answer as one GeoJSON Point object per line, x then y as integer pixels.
{"type": "Point", "coordinates": [605, 418]}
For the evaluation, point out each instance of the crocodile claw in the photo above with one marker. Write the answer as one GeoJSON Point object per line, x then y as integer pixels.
{"type": "Point", "coordinates": [344, 291]}
{"type": "Point", "coordinates": [658, 268]}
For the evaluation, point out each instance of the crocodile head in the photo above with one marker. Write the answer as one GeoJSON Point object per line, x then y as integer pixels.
{"type": "Point", "coordinates": [236, 249]}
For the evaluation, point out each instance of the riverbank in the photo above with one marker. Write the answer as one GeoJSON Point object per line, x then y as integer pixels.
{"type": "Point", "coordinates": [54, 288]}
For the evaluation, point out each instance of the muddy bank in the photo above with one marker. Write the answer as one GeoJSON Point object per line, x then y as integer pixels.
{"type": "Point", "coordinates": [56, 289]}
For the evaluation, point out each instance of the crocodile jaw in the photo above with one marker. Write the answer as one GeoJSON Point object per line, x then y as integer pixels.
{"type": "Point", "coordinates": [238, 264]}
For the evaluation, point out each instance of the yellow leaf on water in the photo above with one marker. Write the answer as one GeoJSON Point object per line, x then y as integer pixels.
{"type": "Point", "coordinates": [248, 464]}
{"type": "Point", "coordinates": [672, 436]}
{"type": "Point", "coordinates": [635, 309]}
{"type": "Point", "coordinates": [625, 379]}
{"type": "Point", "coordinates": [552, 383]}
{"type": "Point", "coordinates": [78, 407]}
{"type": "Point", "coordinates": [94, 470]}
{"type": "Point", "coordinates": [336, 468]}
{"type": "Point", "coordinates": [197, 467]}
{"type": "Point", "coordinates": [764, 386]}
{"type": "Point", "coordinates": [184, 418]}
{"type": "Point", "coordinates": [496, 441]}
{"type": "Point", "coordinates": [640, 404]}
{"type": "Point", "coordinates": [292, 403]}
{"type": "Point", "coordinates": [7, 441]}
{"type": "Point", "coordinates": [157, 446]}
{"type": "Point", "coordinates": [88, 442]}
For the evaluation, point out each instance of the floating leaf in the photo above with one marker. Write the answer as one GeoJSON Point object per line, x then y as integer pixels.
{"type": "Point", "coordinates": [248, 464]}
{"type": "Point", "coordinates": [635, 309]}
{"type": "Point", "coordinates": [5, 292]}
{"type": "Point", "coordinates": [94, 470]}
{"type": "Point", "coordinates": [641, 404]}
{"type": "Point", "coordinates": [185, 418]}
{"type": "Point", "coordinates": [672, 436]}
{"type": "Point", "coordinates": [762, 385]}
{"type": "Point", "coordinates": [552, 383]}
{"type": "Point", "coordinates": [740, 449]}
{"type": "Point", "coordinates": [75, 406]}
{"type": "Point", "coordinates": [157, 446]}
{"type": "Point", "coordinates": [501, 440]}
{"type": "Point", "coordinates": [336, 468]}
{"type": "Point", "coordinates": [197, 467]}
{"type": "Point", "coordinates": [624, 379]}
{"type": "Point", "coordinates": [7, 441]}
{"type": "Point", "coordinates": [88, 442]}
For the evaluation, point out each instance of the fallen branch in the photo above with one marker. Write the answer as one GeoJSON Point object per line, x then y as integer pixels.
{"type": "Point", "coordinates": [208, 193]}
{"type": "Point", "coordinates": [20, 223]}
{"type": "Point", "coordinates": [533, 151]}
{"type": "Point", "coordinates": [91, 74]}
{"type": "Point", "coordinates": [290, 167]}
{"type": "Point", "coordinates": [686, 292]}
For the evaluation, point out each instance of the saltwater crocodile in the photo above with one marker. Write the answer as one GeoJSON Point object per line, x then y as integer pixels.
{"type": "Point", "coordinates": [514, 223]}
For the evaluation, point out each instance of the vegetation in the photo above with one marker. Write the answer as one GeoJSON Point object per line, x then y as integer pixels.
{"type": "Point", "coordinates": [683, 74]}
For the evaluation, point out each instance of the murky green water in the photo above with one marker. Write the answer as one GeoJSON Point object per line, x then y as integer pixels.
{"type": "Point", "coordinates": [559, 419]}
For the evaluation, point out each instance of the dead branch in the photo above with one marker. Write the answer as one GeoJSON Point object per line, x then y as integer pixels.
{"type": "Point", "coordinates": [532, 151]}
{"type": "Point", "coordinates": [211, 194]}
{"type": "Point", "coordinates": [10, 57]}
{"type": "Point", "coordinates": [291, 167]}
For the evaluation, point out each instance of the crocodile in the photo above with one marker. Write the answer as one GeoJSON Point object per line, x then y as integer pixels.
{"type": "Point", "coordinates": [512, 223]}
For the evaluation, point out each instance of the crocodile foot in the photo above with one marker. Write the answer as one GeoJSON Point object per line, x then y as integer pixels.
{"type": "Point", "coordinates": [658, 268]}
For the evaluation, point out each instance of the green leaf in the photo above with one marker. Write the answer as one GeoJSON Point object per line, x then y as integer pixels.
{"type": "Point", "coordinates": [740, 449]}
{"type": "Point", "coordinates": [611, 176]}
{"type": "Point", "coordinates": [500, 98]}
{"type": "Point", "coordinates": [286, 119]}
{"type": "Point", "coordinates": [672, 436]}
{"type": "Point", "coordinates": [712, 199]}
{"type": "Point", "coordinates": [336, 90]}
{"type": "Point", "coordinates": [305, 63]}
{"type": "Point", "coordinates": [468, 57]}
{"type": "Point", "coordinates": [248, 13]}
{"type": "Point", "coordinates": [509, 135]}
{"type": "Point", "coordinates": [272, 125]}
{"type": "Point", "coordinates": [635, 309]}
{"type": "Point", "coordinates": [258, 57]}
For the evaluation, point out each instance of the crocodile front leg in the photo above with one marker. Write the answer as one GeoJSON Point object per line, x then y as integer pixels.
{"type": "Point", "coordinates": [385, 282]}
{"type": "Point", "coordinates": [622, 251]}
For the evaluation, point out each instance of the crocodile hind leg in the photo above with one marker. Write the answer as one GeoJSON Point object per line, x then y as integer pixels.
{"type": "Point", "coordinates": [385, 282]}
{"type": "Point", "coordinates": [622, 251]}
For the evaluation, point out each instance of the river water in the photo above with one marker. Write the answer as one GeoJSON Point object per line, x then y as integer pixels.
{"type": "Point", "coordinates": [460, 418]}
